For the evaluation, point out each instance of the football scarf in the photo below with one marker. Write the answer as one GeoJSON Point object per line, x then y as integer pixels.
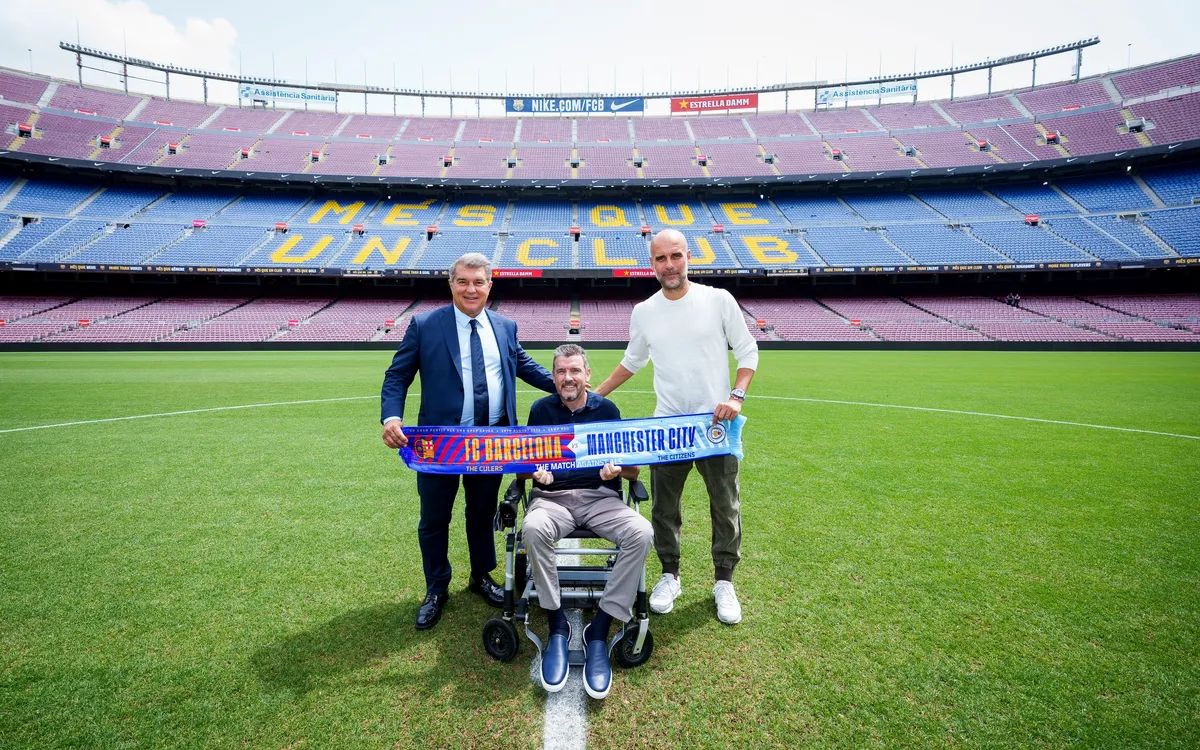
{"type": "Point", "coordinates": [525, 449]}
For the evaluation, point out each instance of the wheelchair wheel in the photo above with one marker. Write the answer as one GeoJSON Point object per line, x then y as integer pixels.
{"type": "Point", "coordinates": [500, 639]}
{"type": "Point", "coordinates": [624, 649]}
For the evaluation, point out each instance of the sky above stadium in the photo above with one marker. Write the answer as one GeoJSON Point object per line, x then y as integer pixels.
{"type": "Point", "coordinates": [556, 47]}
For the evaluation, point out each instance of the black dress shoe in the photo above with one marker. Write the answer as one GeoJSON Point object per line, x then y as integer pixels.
{"type": "Point", "coordinates": [487, 588]}
{"type": "Point", "coordinates": [431, 610]}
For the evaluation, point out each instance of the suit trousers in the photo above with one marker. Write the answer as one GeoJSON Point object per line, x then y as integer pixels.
{"type": "Point", "coordinates": [437, 492]}
{"type": "Point", "coordinates": [720, 474]}
{"type": "Point", "coordinates": [554, 514]}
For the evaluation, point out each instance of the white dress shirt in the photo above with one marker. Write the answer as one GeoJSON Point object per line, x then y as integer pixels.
{"type": "Point", "coordinates": [491, 366]}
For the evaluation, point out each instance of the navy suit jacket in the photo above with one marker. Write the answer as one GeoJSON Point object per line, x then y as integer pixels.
{"type": "Point", "coordinates": [430, 348]}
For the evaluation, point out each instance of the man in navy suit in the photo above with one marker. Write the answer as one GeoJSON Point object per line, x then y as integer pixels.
{"type": "Point", "coordinates": [469, 360]}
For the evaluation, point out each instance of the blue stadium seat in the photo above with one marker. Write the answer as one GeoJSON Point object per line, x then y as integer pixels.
{"type": "Point", "coordinates": [184, 207]}
{"type": "Point", "coordinates": [1176, 187]}
{"type": "Point", "coordinates": [855, 246]}
{"type": "Point", "coordinates": [817, 209]}
{"type": "Point", "coordinates": [1106, 193]}
{"type": "Point", "coordinates": [30, 235]}
{"type": "Point", "coordinates": [66, 240]}
{"type": "Point", "coordinates": [1034, 199]}
{"type": "Point", "coordinates": [1087, 236]}
{"type": "Point", "coordinates": [1133, 235]}
{"type": "Point", "coordinates": [1178, 227]}
{"type": "Point", "coordinates": [888, 207]}
{"type": "Point", "coordinates": [120, 202]}
{"type": "Point", "coordinates": [212, 246]}
{"type": "Point", "coordinates": [936, 244]}
{"type": "Point", "coordinates": [1026, 244]}
{"type": "Point", "coordinates": [535, 215]}
{"type": "Point", "coordinates": [964, 204]}
{"type": "Point", "coordinates": [48, 197]}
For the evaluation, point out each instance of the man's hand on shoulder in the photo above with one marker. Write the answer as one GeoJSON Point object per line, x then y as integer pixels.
{"type": "Point", "coordinates": [393, 434]}
{"type": "Point", "coordinates": [728, 409]}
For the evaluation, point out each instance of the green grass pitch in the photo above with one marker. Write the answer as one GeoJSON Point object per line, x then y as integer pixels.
{"type": "Point", "coordinates": [249, 577]}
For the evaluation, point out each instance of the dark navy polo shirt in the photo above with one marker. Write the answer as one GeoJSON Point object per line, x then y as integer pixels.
{"type": "Point", "coordinates": [550, 410]}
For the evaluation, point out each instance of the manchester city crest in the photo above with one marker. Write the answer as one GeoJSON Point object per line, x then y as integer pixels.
{"type": "Point", "coordinates": [716, 433]}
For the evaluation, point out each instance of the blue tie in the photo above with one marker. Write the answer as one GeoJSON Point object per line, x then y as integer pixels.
{"type": "Point", "coordinates": [479, 378]}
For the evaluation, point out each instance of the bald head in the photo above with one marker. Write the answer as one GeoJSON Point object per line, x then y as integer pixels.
{"type": "Point", "coordinates": [669, 257]}
{"type": "Point", "coordinates": [667, 238]}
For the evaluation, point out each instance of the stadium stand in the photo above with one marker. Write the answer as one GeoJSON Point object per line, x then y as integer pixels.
{"type": "Point", "coordinates": [537, 320]}
{"type": "Point", "coordinates": [15, 87]}
{"type": "Point", "coordinates": [1175, 119]}
{"type": "Point", "coordinates": [347, 320]}
{"type": "Point", "coordinates": [256, 320]}
{"type": "Point", "coordinates": [1001, 322]}
{"type": "Point", "coordinates": [1148, 218]}
{"type": "Point", "coordinates": [375, 127]}
{"type": "Point", "coordinates": [545, 130]}
{"type": "Point", "coordinates": [435, 129]}
{"type": "Point", "coordinates": [545, 161]}
{"type": "Point", "coordinates": [805, 319]}
{"type": "Point", "coordinates": [1173, 74]}
{"type": "Point", "coordinates": [1114, 219]}
{"type": "Point", "coordinates": [1090, 117]}
{"type": "Point", "coordinates": [605, 319]}
{"type": "Point", "coordinates": [907, 116]}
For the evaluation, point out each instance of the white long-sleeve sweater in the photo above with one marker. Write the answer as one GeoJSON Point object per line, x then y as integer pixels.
{"type": "Point", "coordinates": [688, 340]}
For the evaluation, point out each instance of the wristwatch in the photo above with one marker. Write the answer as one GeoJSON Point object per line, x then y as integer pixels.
{"type": "Point", "coordinates": [738, 393]}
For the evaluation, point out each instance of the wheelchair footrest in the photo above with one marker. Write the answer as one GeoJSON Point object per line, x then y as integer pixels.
{"type": "Point", "coordinates": [575, 596]}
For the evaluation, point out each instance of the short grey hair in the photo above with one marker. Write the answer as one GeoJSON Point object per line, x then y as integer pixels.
{"type": "Point", "coordinates": [472, 260]}
{"type": "Point", "coordinates": [570, 350]}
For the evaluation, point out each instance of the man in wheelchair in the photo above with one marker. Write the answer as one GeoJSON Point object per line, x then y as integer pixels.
{"type": "Point", "coordinates": [565, 500]}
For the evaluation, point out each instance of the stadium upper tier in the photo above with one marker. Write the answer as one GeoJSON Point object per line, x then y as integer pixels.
{"type": "Point", "coordinates": [1147, 218]}
{"type": "Point", "coordinates": [1152, 105]}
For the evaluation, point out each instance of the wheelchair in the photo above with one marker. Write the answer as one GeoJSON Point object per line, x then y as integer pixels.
{"type": "Point", "coordinates": [580, 586]}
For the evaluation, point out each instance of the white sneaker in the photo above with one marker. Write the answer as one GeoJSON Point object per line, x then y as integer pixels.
{"type": "Point", "coordinates": [729, 611]}
{"type": "Point", "coordinates": [666, 591]}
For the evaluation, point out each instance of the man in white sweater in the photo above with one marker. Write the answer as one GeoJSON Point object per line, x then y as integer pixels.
{"type": "Point", "coordinates": [687, 330]}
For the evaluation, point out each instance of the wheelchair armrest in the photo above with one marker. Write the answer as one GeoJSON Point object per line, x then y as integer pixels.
{"type": "Point", "coordinates": [637, 491]}
{"type": "Point", "coordinates": [506, 511]}
{"type": "Point", "coordinates": [515, 492]}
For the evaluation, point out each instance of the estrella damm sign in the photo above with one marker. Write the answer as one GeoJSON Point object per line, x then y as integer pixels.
{"type": "Point", "coordinates": [707, 103]}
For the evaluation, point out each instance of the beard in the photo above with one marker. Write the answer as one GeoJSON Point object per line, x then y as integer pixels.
{"type": "Point", "coordinates": [671, 282]}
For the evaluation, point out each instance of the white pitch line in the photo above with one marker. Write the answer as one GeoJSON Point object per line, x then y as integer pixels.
{"type": "Point", "coordinates": [757, 396]}
{"type": "Point", "coordinates": [182, 413]}
{"type": "Point", "coordinates": [565, 724]}
{"type": "Point", "coordinates": [980, 414]}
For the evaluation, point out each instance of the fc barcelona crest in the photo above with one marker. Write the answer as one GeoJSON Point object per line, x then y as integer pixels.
{"type": "Point", "coordinates": [422, 448]}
